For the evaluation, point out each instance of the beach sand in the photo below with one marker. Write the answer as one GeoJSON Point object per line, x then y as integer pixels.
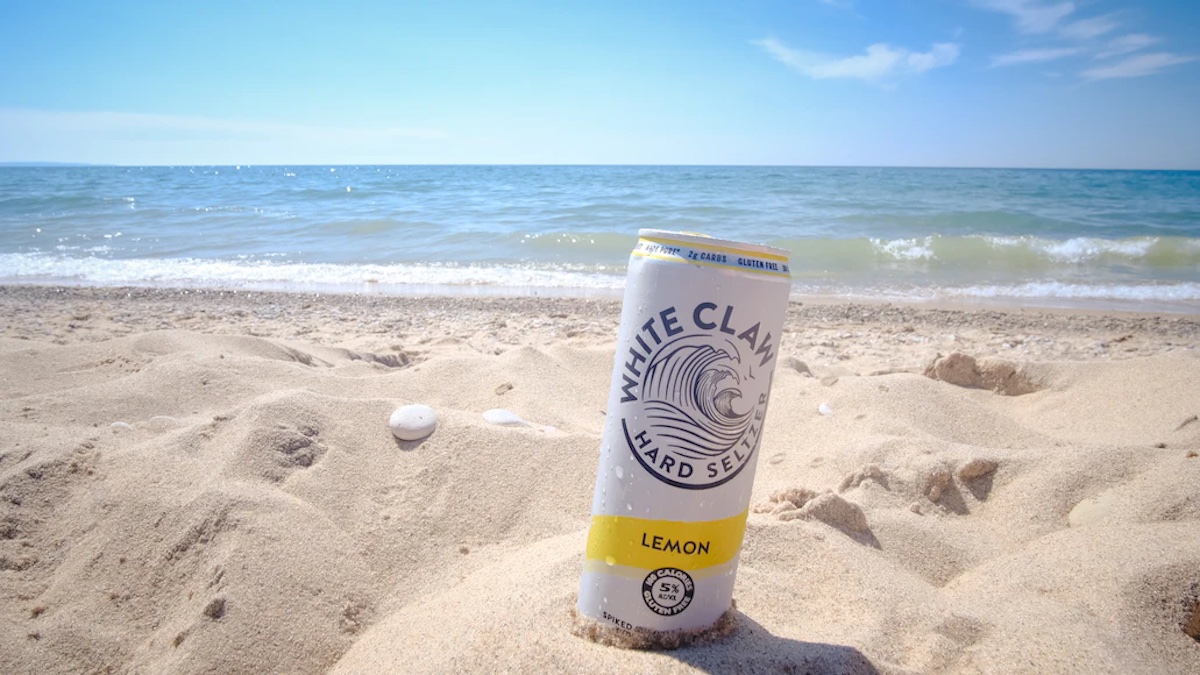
{"type": "Point", "coordinates": [204, 481]}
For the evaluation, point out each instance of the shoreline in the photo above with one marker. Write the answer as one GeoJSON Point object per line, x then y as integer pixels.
{"type": "Point", "coordinates": [873, 309]}
{"type": "Point", "coordinates": [372, 287]}
{"type": "Point", "coordinates": [847, 337]}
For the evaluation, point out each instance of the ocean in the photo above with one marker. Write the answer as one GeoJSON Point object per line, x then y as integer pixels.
{"type": "Point", "coordinates": [1042, 238]}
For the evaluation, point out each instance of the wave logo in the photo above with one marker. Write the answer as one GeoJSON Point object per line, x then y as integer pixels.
{"type": "Point", "coordinates": [694, 401]}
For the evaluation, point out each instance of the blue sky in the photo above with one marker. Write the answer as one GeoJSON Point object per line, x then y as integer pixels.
{"type": "Point", "coordinates": [1027, 83]}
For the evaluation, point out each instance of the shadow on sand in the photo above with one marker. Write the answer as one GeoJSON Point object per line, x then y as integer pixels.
{"type": "Point", "coordinates": [750, 648]}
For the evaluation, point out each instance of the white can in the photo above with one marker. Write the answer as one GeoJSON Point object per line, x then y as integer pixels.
{"type": "Point", "coordinates": [696, 352]}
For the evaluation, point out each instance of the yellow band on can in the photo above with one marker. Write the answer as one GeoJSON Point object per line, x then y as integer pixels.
{"type": "Point", "coordinates": [654, 544]}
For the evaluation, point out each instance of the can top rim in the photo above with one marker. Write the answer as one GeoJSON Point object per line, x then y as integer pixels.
{"type": "Point", "coordinates": [706, 241]}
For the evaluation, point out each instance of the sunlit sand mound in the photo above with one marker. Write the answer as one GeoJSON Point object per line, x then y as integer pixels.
{"type": "Point", "coordinates": [182, 501]}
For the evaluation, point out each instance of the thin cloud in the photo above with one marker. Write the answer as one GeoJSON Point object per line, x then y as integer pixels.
{"type": "Point", "coordinates": [1126, 44]}
{"type": "Point", "coordinates": [1090, 29]}
{"type": "Point", "coordinates": [1136, 66]}
{"type": "Point", "coordinates": [840, 4]}
{"type": "Point", "coordinates": [880, 62]}
{"type": "Point", "coordinates": [1031, 16]}
{"type": "Point", "coordinates": [1024, 56]}
{"type": "Point", "coordinates": [1083, 37]}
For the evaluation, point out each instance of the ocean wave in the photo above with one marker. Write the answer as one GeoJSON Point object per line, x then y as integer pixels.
{"type": "Point", "coordinates": [608, 244]}
{"type": "Point", "coordinates": [1156, 292]}
{"type": "Point", "coordinates": [1162, 251]}
{"type": "Point", "coordinates": [251, 272]}
{"type": "Point", "coordinates": [905, 249]}
{"type": "Point", "coordinates": [1174, 297]}
{"type": "Point", "coordinates": [983, 252]}
{"type": "Point", "coordinates": [1162, 273]}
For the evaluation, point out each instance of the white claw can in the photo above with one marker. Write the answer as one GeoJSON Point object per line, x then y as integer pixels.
{"type": "Point", "coordinates": [696, 352]}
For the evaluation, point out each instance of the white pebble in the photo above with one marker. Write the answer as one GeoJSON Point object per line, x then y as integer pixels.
{"type": "Point", "coordinates": [824, 409]}
{"type": "Point", "coordinates": [413, 422]}
{"type": "Point", "coordinates": [164, 422]}
{"type": "Point", "coordinates": [503, 417]}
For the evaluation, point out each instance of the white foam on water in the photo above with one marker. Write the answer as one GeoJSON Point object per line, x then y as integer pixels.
{"type": "Point", "coordinates": [1175, 292]}
{"type": "Point", "coordinates": [906, 249]}
{"type": "Point", "coordinates": [569, 280]}
{"type": "Point", "coordinates": [1179, 297]}
{"type": "Point", "coordinates": [1082, 249]}
{"type": "Point", "coordinates": [201, 272]}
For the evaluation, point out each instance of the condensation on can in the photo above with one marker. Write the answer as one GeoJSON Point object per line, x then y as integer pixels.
{"type": "Point", "coordinates": [696, 350]}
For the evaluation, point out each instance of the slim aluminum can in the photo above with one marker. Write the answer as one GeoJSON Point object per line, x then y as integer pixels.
{"type": "Point", "coordinates": [696, 352]}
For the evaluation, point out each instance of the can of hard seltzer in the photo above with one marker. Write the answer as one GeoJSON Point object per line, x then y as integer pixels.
{"type": "Point", "coordinates": [699, 338]}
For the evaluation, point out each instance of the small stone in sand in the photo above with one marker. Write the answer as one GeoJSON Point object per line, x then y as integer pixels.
{"type": "Point", "coordinates": [503, 417]}
{"type": "Point", "coordinates": [797, 365]}
{"type": "Point", "coordinates": [938, 482]}
{"type": "Point", "coordinates": [825, 409]}
{"type": "Point", "coordinates": [1192, 627]}
{"type": "Point", "coordinates": [413, 422]}
{"type": "Point", "coordinates": [976, 468]}
{"type": "Point", "coordinates": [215, 609]}
{"type": "Point", "coordinates": [163, 422]}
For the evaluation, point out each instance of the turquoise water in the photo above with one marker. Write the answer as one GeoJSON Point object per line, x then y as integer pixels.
{"type": "Point", "coordinates": [1048, 238]}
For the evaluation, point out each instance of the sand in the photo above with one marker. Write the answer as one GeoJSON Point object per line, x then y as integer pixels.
{"type": "Point", "coordinates": [204, 481]}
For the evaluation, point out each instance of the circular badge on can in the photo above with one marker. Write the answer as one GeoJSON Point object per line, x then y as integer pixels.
{"type": "Point", "coordinates": [668, 591]}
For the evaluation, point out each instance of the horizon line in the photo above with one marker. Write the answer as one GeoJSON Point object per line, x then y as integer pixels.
{"type": "Point", "coordinates": [45, 164]}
